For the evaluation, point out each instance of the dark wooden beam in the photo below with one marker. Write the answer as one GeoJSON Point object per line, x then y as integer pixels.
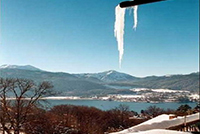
{"type": "Point", "coordinates": [136, 2]}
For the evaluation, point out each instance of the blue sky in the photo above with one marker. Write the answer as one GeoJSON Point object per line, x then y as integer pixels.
{"type": "Point", "coordinates": [76, 36]}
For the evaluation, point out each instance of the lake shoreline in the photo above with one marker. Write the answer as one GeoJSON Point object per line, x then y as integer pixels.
{"type": "Point", "coordinates": [109, 99]}
{"type": "Point", "coordinates": [108, 105]}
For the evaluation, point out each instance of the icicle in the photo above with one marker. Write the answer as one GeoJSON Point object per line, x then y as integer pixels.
{"type": "Point", "coordinates": [119, 30]}
{"type": "Point", "coordinates": [135, 16]}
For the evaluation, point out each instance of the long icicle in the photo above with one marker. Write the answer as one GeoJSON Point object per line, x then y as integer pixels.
{"type": "Point", "coordinates": [119, 30]}
{"type": "Point", "coordinates": [135, 16]}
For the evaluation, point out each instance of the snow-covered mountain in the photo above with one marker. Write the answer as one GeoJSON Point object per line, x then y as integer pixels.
{"type": "Point", "coordinates": [25, 67]}
{"type": "Point", "coordinates": [100, 83]}
{"type": "Point", "coordinates": [108, 76]}
{"type": "Point", "coordinates": [64, 83]}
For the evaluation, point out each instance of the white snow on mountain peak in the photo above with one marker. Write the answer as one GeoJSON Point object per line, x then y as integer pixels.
{"type": "Point", "coordinates": [108, 76]}
{"type": "Point", "coordinates": [6, 66]}
{"type": "Point", "coordinates": [24, 67]}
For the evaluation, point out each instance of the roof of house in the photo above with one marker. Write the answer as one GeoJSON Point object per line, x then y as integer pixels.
{"type": "Point", "coordinates": [161, 122]}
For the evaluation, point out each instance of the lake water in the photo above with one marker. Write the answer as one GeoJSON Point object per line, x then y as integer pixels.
{"type": "Point", "coordinates": [107, 105]}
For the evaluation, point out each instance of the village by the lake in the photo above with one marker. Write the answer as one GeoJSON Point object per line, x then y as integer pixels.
{"type": "Point", "coordinates": [140, 95]}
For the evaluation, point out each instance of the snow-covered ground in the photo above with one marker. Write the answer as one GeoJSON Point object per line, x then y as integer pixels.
{"type": "Point", "coordinates": [160, 122]}
{"type": "Point", "coordinates": [127, 96]}
{"type": "Point", "coordinates": [160, 131]}
{"type": "Point", "coordinates": [157, 90]}
{"type": "Point", "coordinates": [61, 98]}
{"type": "Point", "coordinates": [194, 96]}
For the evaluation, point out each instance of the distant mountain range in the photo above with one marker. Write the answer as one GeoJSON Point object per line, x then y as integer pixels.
{"type": "Point", "coordinates": [108, 82]}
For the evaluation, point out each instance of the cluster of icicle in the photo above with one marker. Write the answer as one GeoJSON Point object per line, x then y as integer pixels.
{"type": "Point", "coordinates": [119, 28]}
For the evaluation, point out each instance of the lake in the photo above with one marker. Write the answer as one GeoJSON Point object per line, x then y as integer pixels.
{"type": "Point", "coordinates": [107, 105]}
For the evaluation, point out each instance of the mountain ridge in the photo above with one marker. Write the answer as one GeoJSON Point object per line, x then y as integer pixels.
{"type": "Point", "coordinates": [101, 83]}
{"type": "Point", "coordinates": [33, 68]}
{"type": "Point", "coordinates": [24, 67]}
{"type": "Point", "coordinates": [108, 76]}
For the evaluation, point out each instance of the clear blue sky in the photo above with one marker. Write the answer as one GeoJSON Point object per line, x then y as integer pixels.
{"type": "Point", "coordinates": [76, 36]}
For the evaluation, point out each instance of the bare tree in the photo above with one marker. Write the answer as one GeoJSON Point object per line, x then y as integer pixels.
{"type": "Point", "coordinates": [17, 99]}
{"type": "Point", "coordinates": [154, 111]}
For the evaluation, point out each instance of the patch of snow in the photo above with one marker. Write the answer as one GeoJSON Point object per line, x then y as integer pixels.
{"type": "Point", "coordinates": [157, 90]}
{"type": "Point", "coordinates": [129, 96]}
{"type": "Point", "coordinates": [160, 131]}
{"type": "Point", "coordinates": [167, 90]}
{"type": "Point", "coordinates": [109, 72]}
{"type": "Point", "coordinates": [61, 97]}
{"type": "Point", "coordinates": [105, 98]}
{"type": "Point", "coordinates": [194, 96]}
{"type": "Point", "coordinates": [140, 89]}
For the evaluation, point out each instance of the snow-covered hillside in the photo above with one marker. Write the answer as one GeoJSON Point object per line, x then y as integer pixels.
{"type": "Point", "coordinates": [108, 76]}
